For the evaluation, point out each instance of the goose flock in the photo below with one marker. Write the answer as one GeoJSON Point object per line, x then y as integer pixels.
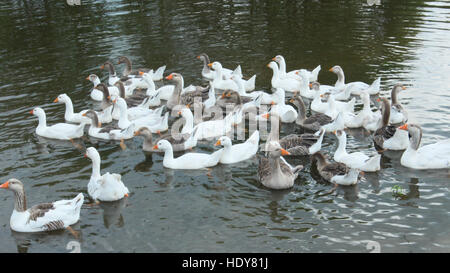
{"type": "Point", "coordinates": [131, 106]}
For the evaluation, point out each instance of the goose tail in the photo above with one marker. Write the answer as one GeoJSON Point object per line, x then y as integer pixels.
{"type": "Point", "coordinates": [250, 83]}
{"type": "Point", "coordinates": [315, 74]}
{"type": "Point", "coordinates": [372, 164]}
{"type": "Point", "coordinates": [158, 75]}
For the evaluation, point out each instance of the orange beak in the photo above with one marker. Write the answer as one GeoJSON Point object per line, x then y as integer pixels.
{"type": "Point", "coordinates": [334, 132]}
{"type": "Point", "coordinates": [268, 65]}
{"type": "Point", "coordinates": [56, 100]}
{"type": "Point", "coordinates": [210, 64]}
{"type": "Point", "coordinates": [31, 112]}
{"type": "Point", "coordinates": [87, 78]}
{"type": "Point", "coordinates": [223, 95]}
{"type": "Point", "coordinates": [331, 69]}
{"type": "Point", "coordinates": [115, 100]}
{"type": "Point", "coordinates": [136, 133]}
{"type": "Point", "coordinates": [272, 103]}
{"type": "Point", "coordinates": [284, 152]}
{"type": "Point", "coordinates": [141, 73]}
{"type": "Point", "coordinates": [403, 88]}
{"type": "Point", "coordinates": [84, 114]}
{"type": "Point", "coordinates": [198, 57]}
{"type": "Point", "coordinates": [274, 58]}
{"type": "Point", "coordinates": [179, 112]}
{"type": "Point", "coordinates": [218, 143]}
{"type": "Point", "coordinates": [5, 185]}
{"type": "Point", "coordinates": [404, 127]}
{"type": "Point", "coordinates": [266, 116]}
{"type": "Point", "coordinates": [378, 99]}
{"type": "Point", "coordinates": [126, 195]}
{"type": "Point", "coordinates": [310, 85]}
{"type": "Point", "coordinates": [155, 147]}
{"type": "Point", "coordinates": [85, 155]}
{"type": "Point", "coordinates": [296, 72]}
{"type": "Point", "coordinates": [170, 77]}
{"type": "Point", "coordinates": [109, 97]}
{"type": "Point", "coordinates": [291, 100]}
{"type": "Point", "coordinates": [102, 66]}
{"type": "Point", "coordinates": [321, 95]}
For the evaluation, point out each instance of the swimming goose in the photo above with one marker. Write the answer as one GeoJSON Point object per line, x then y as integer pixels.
{"type": "Point", "coordinates": [431, 156]}
{"type": "Point", "coordinates": [389, 137]}
{"type": "Point", "coordinates": [128, 71]}
{"type": "Point", "coordinates": [348, 179]}
{"type": "Point", "coordinates": [322, 107]}
{"type": "Point", "coordinates": [312, 123]}
{"type": "Point", "coordinates": [274, 172]}
{"type": "Point", "coordinates": [187, 98]}
{"type": "Point", "coordinates": [96, 94]}
{"type": "Point", "coordinates": [398, 113]}
{"type": "Point", "coordinates": [109, 132]}
{"type": "Point", "coordinates": [107, 187]}
{"type": "Point", "coordinates": [224, 84]}
{"type": "Point", "coordinates": [238, 152]}
{"type": "Point", "coordinates": [355, 88]}
{"type": "Point", "coordinates": [311, 75]}
{"type": "Point", "coordinates": [209, 74]}
{"type": "Point", "coordinates": [333, 110]}
{"type": "Point", "coordinates": [286, 112]}
{"type": "Point", "coordinates": [43, 217]}
{"type": "Point", "coordinates": [188, 161]}
{"type": "Point", "coordinates": [63, 131]}
{"type": "Point", "coordinates": [266, 97]}
{"type": "Point", "coordinates": [326, 169]}
{"type": "Point", "coordinates": [113, 78]}
{"type": "Point", "coordinates": [287, 84]}
{"type": "Point", "coordinates": [304, 85]}
{"type": "Point", "coordinates": [214, 128]}
{"type": "Point", "coordinates": [337, 124]}
{"type": "Point", "coordinates": [69, 115]}
{"type": "Point", "coordinates": [357, 159]}
{"type": "Point", "coordinates": [365, 118]}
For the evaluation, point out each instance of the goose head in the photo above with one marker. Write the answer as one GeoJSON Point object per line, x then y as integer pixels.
{"type": "Point", "coordinates": [385, 110]}
{"type": "Point", "coordinates": [145, 132]}
{"type": "Point", "coordinates": [104, 89]}
{"type": "Point", "coordinates": [314, 86]}
{"type": "Point", "coordinates": [278, 58]}
{"type": "Point", "coordinates": [93, 116]}
{"type": "Point", "coordinates": [176, 77]}
{"type": "Point", "coordinates": [38, 111]}
{"type": "Point", "coordinates": [93, 154]}
{"type": "Point", "coordinates": [123, 59]}
{"type": "Point", "coordinates": [273, 66]}
{"type": "Point", "coordinates": [13, 184]}
{"type": "Point", "coordinates": [162, 145]}
{"type": "Point", "coordinates": [415, 134]}
{"type": "Point", "coordinates": [395, 90]}
{"type": "Point", "coordinates": [203, 57]}
{"type": "Point", "coordinates": [340, 134]}
{"type": "Point", "coordinates": [224, 141]}
{"type": "Point", "coordinates": [108, 65]}
{"type": "Point", "coordinates": [275, 150]}
{"type": "Point", "coordinates": [336, 69]}
{"type": "Point", "coordinates": [62, 98]}
{"type": "Point", "coordinates": [215, 65]}
{"type": "Point", "coordinates": [94, 79]}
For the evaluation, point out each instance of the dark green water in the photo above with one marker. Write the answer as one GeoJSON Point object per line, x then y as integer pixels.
{"type": "Point", "coordinates": [48, 48]}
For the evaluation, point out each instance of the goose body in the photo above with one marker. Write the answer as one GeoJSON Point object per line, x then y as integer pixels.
{"type": "Point", "coordinates": [266, 98]}
{"type": "Point", "coordinates": [312, 123]}
{"type": "Point", "coordinates": [107, 187]}
{"type": "Point", "coordinates": [431, 156]}
{"type": "Point", "coordinates": [188, 161]}
{"type": "Point", "coordinates": [357, 159]}
{"type": "Point", "coordinates": [398, 113]}
{"type": "Point", "coordinates": [63, 131]}
{"type": "Point", "coordinates": [365, 118]}
{"type": "Point", "coordinates": [326, 169]}
{"type": "Point", "coordinates": [355, 88]}
{"type": "Point", "coordinates": [287, 84]}
{"type": "Point", "coordinates": [228, 84]}
{"type": "Point", "coordinates": [311, 75]}
{"type": "Point", "coordinates": [238, 152]}
{"type": "Point", "coordinates": [348, 179]}
{"type": "Point", "coordinates": [209, 74]}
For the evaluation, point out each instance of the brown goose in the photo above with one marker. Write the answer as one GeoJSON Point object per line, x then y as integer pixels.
{"type": "Point", "coordinates": [326, 169]}
{"type": "Point", "coordinates": [43, 217]}
{"type": "Point", "coordinates": [398, 113]}
{"type": "Point", "coordinates": [274, 172]}
{"type": "Point", "coordinates": [130, 73]}
{"type": "Point", "coordinates": [112, 79]}
{"type": "Point", "coordinates": [312, 123]}
{"type": "Point", "coordinates": [187, 98]}
{"type": "Point", "coordinates": [389, 137]}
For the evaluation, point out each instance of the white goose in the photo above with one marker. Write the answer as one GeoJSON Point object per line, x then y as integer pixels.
{"type": "Point", "coordinates": [188, 161]}
{"type": "Point", "coordinates": [112, 78]}
{"type": "Point", "coordinates": [311, 75]}
{"type": "Point", "coordinates": [43, 217]}
{"type": "Point", "coordinates": [431, 156]}
{"type": "Point", "coordinates": [214, 128]}
{"type": "Point", "coordinates": [96, 94]}
{"type": "Point", "coordinates": [365, 118]}
{"type": "Point", "coordinates": [69, 115]}
{"type": "Point", "coordinates": [108, 132]}
{"type": "Point", "coordinates": [107, 187]}
{"type": "Point", "coordinates": [286, 112]}
{"type": "Point", "coordinates": [63, 131]}
{"type": "Point", "coordinates": [228, 84]}
{"type": "Point", "coordinates": [322, 107]}
{"type": "Point", "coordinates": [348, 179]}
{"type": "Point", "coordinates": [357, 159]}
{"type": "Point", "coordinates": [288, 84]}
{"type": "Point", "coordinates": [354, 88]}
{"type": "Point", "coordinates": [266, 97]}
{"type": "Point", "coordinates": [398, 113]}
{"type": "Point", "coordinates": [210, 75]}
{"type": "Point", "coordinates": [239, 152]}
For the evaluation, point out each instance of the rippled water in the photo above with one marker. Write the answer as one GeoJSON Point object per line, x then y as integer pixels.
{"type": "Point", "coordinates": [49, 48]}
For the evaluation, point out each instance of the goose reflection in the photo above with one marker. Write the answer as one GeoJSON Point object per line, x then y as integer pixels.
{"type": "Point", "coordinates": [112, 212]}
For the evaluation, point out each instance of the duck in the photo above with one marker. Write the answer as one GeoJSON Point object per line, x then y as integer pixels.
{"type": "Point", "coordinates": [287, 84]}
{"type": "Point", "coordinates": [312, 123]}
{"type": "Point", "coordinates": [96, 94]}
{"type": "Point", "coordinates": [188, 161]}
{"type": "Point", "coordinates": [311, 75]}
{"type": "Point", "coordinates": [398, 113]}
{"type": "Point", "coordinates": [327, 170]}
{"type": "Point", "coordinates": [224, 84]}
{"type": "Point", "coordinates": [153, 123]}
{"type": "Point", "coordinates": [286, 112]}
{"type": "Point", "coordinates": [274, 172]}
{"type": "Point", "coordinates": [305, 91]}
{"type": "Point", "coordinates": [112, 78]}
{"type": "Point", "coordinates": [62, 131]}
{"type": "Point", "coordinates": [322, 107]}
{"type": "Point", "coordinates": [431, 156]}
{"type": "Point", "coordinates": [187, 98]}
{"type": "Point", "coordinates": [129, 72]}
{"type": "Point", "coordinates": [42, 217]}
{"type": "Point", "coordinates": [389, 137]}
{"type": "Point", "coordinates": [208, 74]}
{"type": "Point", "coordinates": [69, 114]}
{"type": "Point", "coordinates": [348, 179]}
{"type": "Point", "coordinates": [357, 159]}
{"type": "Point", "coordinates": [365, 118]}
{"type": "Point", "coordinates": [354, 87]}
{"type": "Point", "coordinates": [239, 152]}
{"type": "Point", "coordinates": [107, 187]}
